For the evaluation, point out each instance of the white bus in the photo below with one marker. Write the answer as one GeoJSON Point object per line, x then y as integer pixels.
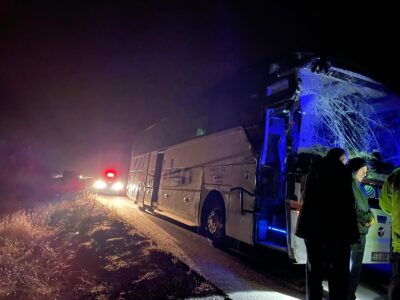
{"type": "Point", "coordinates": [244, 179]}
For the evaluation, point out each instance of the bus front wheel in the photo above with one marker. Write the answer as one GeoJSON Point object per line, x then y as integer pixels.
{"type": "Point", "coordinates": [214, 225]}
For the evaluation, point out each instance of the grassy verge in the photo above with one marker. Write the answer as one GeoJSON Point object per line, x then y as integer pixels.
{"type": "Point", "coordinates": [82, 250]}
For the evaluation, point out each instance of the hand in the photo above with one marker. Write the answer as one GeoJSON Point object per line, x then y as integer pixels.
{"type": "Point", "coordinates": [372, 222]}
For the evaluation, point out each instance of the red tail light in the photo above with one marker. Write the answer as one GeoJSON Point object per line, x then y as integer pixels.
{"type": "Point", "coordinates": [110, 174]}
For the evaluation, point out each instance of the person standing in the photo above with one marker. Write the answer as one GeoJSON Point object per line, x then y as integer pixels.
{"type": "Point", "coordinates": [358, 168]}
{"type": "Point", "coordinates": [389, 201]}
{"type": "Point", "coordinates": [327, 222]}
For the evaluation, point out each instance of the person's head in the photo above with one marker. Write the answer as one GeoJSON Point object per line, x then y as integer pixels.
{"type": "Point", "coordinates": [337, 154]}
{"type": "Point", "coordinates": [358, 167]}
{"type": "Point", "coordinates": [377, 155]}
{"type": "Point", "coordinates": [394, 180]}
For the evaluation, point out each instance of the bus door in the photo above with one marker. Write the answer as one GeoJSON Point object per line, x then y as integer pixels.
{"type": "Point", "coordinates": [271, 222]}
{"type": "Point", "coordinates": [296, 180]}
{"type": "Point", "coordinates": [153, 179]}
{"type": "Point", "coordinates": [157, 178]}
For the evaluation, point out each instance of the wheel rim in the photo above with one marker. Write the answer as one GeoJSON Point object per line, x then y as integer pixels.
{"type": "Point", "coordinates": [215, 223]}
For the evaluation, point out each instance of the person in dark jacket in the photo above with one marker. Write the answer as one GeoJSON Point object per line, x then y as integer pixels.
{"type": "Point", "coordinates": [358, 168]}
{"type": "Point", "coordinates": [327, 222]}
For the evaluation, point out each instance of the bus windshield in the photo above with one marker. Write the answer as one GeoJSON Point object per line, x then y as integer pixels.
{"type": "Point", "coordinates": [347, 110]}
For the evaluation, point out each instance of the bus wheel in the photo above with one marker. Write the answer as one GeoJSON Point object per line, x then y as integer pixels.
{"type": "Point", "coordinates": [215, 225]}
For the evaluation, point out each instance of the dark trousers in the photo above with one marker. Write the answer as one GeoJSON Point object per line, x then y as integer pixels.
{"type": "Point", "coordinates": [394, 287]}
{"type": "Point", "coordinates": [357, 254]}
{"type": "Point", "coordinates": [332, 257]}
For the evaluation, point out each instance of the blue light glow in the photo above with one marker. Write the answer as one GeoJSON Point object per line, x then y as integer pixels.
{"type": "Point", "coordinates": [264, 151]}
{"type": "Point", "coordinates": [277, 229]}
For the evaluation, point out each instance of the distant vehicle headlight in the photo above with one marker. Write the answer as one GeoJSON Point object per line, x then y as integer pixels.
{"type": "Point", "coordinates": [117, 186]}
{"type": "Point", "coordinates": [100, 184]}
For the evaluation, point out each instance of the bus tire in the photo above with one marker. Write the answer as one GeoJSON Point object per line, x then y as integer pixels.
{"type": "Point", "coordinates": [214, 224]}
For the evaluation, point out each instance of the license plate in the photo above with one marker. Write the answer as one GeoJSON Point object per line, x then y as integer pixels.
{"type": "Point", "coordinates": [380, 256]}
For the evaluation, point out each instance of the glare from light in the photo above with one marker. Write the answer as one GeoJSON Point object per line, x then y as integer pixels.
{"type": "Point", "coordinates": [118, 203]}
{"type": "Point", "coordinates": [266, 294]}
{"type": "Point", "coordinates": [99, 184]}
{"type": "Point", "coordinates": [110, 174]}
{"type": "Point", "coordinates": [117, 186]}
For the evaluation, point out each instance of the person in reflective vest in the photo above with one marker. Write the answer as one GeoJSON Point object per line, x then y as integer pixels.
{"type": "Point", "coordinates": [389, 201]}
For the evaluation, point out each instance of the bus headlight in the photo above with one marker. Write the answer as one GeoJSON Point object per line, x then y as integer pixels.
{"type": "Point", "coordinates": [100, 184]}
{"type": "Point", "coordinates": [117, 186]}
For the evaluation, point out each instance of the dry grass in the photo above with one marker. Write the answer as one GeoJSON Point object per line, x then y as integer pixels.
{"type": "Point", "coordinates": [34, 252]}
{"type": "Point", "coordinates": [82, 250]}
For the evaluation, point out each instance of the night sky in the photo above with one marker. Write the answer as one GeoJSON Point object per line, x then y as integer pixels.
{"type": "Point", "coordinates": [79, 79]}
